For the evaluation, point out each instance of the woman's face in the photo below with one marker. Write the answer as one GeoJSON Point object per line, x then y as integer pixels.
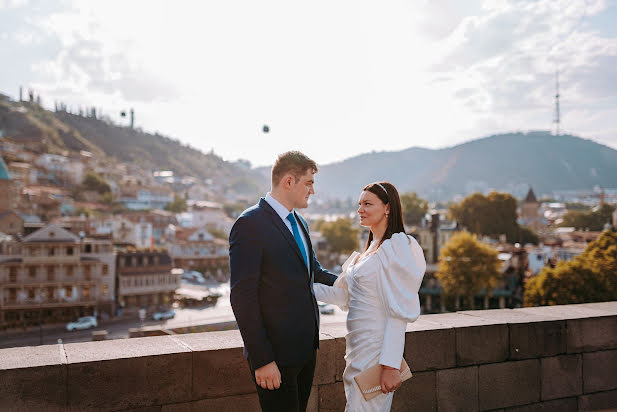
{"type": "Point", "coordinates": [372, 210]}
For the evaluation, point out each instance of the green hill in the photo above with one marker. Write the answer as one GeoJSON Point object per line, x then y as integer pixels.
{"type": "Point", "coordinates": [506, 162]}
{"type": "Point", "coordinates": [61, 131]}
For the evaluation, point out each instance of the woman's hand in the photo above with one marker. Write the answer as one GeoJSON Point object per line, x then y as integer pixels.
{"type": "Point", "coordinates": [390, 379]}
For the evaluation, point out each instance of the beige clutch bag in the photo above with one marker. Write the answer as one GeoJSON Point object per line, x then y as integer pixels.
{"type": "Point", "coordinates": [369, 381]}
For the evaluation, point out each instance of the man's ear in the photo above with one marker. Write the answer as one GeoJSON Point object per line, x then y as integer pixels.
{"type": "Point", "coordinates": [287, 181]}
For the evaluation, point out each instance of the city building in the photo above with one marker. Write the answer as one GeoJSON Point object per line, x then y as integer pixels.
{"type": "Point", "coordinates": [145, 280]}
{"type": "Point", "coordinates": [11, 223]}
{"type": "Point", "coordinates": [143, 197]}
{"type": "Point", "coordinates": [9, 198]}
{"type": "Point", "coordinates": [196, 249]}
{"type": "Point", "coordinates": [530, 215]}
{"type": "Point", "coordinates": [51, 275]}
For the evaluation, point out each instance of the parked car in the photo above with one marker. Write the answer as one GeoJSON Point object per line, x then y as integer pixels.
{"type": "Point", "coordinates": [325, 309]}
{"type": "Point", "coordinates": [193, 276]}
{"type": "Point", "coordinates": [166, 314]}
{"type": "Point", "coordinates": [85, 322]}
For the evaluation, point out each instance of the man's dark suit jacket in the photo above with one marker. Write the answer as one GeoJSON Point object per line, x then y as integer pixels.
{"type": "Point", "coordinates": [271, 292]}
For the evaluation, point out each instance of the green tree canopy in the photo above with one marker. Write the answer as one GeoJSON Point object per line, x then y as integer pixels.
{"type": "Point", "coordinates": [592, 220]}
{"type": "Point", "coordinates": [178, 205]}
{"type": "Point", "coordinates": [590, 277]}
{"type": "Point", "coordinates": [94, 181]}
{"type": "Point", "coordinates": [341, 235]}
{"type": "Point", "coordinates": [490, 215]}
{"type": "Point", "coordinates": [414, 208]}
{"type": "Point", "coordinates": [467, 266]}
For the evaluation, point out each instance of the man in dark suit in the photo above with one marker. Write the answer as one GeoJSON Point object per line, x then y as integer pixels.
{"type": "Point", "coordinates": [273, 267]}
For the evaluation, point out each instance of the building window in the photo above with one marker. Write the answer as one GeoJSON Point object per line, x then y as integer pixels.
{"type": "Point", "coordinates": [12, 295]}
{"type": "Point", "coordinates": [50, 293]}
{"type": "Point", "coordinates": [69, 251]}
{"type": "Point", "coordinates": [156, 260]}
{"type": "Point", "coordinates": [52, 234]}
{"type": "Point", "coordinates": [50, 273]}
{"type": "Point", "coordinates": [105, 269]}
{"type": "Point", "coordinates": [51, 251]}
{"type": "Point", "coordinates": [87, 272]}
{"type": "Point", "coordinates": [32, 271]}
{"type": "Point", "coordinates": [86, 291]}
{"type": "Point", "coordinates": [31, 294]}
{"type": "Point", "coordinates": [68, 291]}
{"type": "Point", "coordinates": [13, 274]}
{"type": "Point", "coordinates": [105, 289]}
{"type": "Point", "coordinates": [88, 248]}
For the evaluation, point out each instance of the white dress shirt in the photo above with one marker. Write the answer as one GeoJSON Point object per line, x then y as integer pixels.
{"type": "Point", "coordinates": [283, 212]}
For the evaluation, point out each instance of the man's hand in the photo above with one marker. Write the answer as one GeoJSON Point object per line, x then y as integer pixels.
{"type": "Point", "coordinates": [390, 379]}
{"type": "Point", "coordinates": [269, 376]}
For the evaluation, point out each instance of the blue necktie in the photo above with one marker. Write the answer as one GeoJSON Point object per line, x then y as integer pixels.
{"type": "Point", "coordinates": [294, 229]}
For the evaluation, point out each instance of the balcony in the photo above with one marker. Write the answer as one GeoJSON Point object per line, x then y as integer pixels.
{"type": "Point", "coordinates": [547, 358]}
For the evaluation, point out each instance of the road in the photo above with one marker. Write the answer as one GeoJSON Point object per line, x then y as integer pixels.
{"type": "Point", "coordinates": [119, 328]}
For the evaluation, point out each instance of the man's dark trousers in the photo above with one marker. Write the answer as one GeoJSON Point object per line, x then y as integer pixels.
{"type": "Point", "coordinates": [295, 389]}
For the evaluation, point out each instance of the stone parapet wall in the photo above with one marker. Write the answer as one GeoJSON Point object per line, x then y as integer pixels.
{"type": "Point", "coordinates": [559, 358]}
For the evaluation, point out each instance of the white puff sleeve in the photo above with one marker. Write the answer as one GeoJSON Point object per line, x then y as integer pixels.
{"type": "Point", "coordinates": [337, 294]}
{"type": "Point", "coordinates": [402, 269]}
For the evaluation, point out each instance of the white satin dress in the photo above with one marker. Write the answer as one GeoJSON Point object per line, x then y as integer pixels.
{"type": "Point", "coordinates": [380, 290]}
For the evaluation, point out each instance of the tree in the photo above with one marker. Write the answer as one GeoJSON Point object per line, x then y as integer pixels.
{"type": "Point", "coordinates": [592, 220]}
{"type": "Point", "coordinates": [178, 205]}
{"type": "Point", "coordinates": [467, 266]}
{"type": "Point", "coordinates": [94, 181]}
{"type": "Point", "coordinates": [341, 235]}
{"type": "Point", "coordinates": [590, 277]}
{"type": "Point", "coordinates": [567, 283]}
{"type": "Point", "coordinates": [490, 215]}
{"type": "Point", "coordinates": [414, 208]}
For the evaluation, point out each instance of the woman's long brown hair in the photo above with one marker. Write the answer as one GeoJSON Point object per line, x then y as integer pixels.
{"type": "Point", "coordinates": [395, 218]}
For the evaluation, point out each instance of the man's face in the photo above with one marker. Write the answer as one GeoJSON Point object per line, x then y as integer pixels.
{"type": "Point", "coordinates": [301, 190]}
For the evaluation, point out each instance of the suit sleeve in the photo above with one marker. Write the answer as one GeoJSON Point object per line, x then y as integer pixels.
{"type": "Point", "coordinates": [322, 275]}
{"type": "Point", "coordinates": [245, 254]}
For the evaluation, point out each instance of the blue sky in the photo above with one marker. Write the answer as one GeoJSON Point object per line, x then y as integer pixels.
{"type": "Point", "coordinates": [333, 79]}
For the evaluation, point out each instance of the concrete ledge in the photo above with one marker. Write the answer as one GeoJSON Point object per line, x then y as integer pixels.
{"type": "Point", "coordinates": [530, 359]}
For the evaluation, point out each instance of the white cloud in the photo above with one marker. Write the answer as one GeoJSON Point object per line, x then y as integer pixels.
{"type": "Point", "coordinates": [331, 78]}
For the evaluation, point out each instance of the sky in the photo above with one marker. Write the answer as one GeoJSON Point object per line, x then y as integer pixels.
{"type": "Point", "coordinates": [330, 78]}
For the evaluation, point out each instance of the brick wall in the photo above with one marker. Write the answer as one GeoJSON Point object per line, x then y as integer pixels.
{"type": "Point", "coordinates": [559, 358]}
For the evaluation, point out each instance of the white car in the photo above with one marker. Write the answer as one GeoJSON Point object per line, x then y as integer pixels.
{"type": "Point", "coordinates": [325, 309]}
{"type": "Point", "coordinates": [85, 322]}
{"type": "Point", "coordinates": [167, 314]}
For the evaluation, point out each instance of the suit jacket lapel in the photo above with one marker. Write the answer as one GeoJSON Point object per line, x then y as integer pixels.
{"type": "Point", "coordinates": [276, 219]}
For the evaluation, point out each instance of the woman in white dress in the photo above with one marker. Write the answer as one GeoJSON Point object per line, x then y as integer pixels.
{"type": "Point", "coordinates": [379, 287]}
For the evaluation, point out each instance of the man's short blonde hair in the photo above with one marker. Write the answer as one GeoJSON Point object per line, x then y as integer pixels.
{"type": "Point", "coordinates": [293, 162]}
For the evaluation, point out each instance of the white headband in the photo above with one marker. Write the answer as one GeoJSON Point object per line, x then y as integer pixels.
{"type": "Point", "coordinates": [384, 189]}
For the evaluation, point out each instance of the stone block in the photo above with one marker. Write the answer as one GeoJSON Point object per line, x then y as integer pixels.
{"type": "Point", "coordinates": [600, 371]}
{"type": "Point", "coordinates": [481, 344]}
{"type": "Point", "coordinates": [336, 331]}
{"type": "Point", "coordinates": [457, 389]}
{"type": "Point", "coordinates": [562, 376]}
{"type": "Point", "coordinates": [592, 334]}
{"type": "Point", "coordinates": [509, 384]}
{"type": "Point", "coordinates": [128, 373]}
{"type": "Point", "coordinates": [313, 402]}
{"type": "Point", "coordinates": [557, 405]}
{"type": "Point", "coordinates": [332, 397]}
{"type": "Point", "coordinates": [416, 394]}
{"type": "Point", "coordinates": [219, 366]}
{"type": "Point", "coordinates": [478, 340]}
{"type": "Point", "coordinates": [236, 403]}
{"type": "Point", "coordinates": [537, 339]}
{"type": "Point", "coordinates": [325, 370]}
{"type": "Point", "coordinates": [33, 378]}
{"type": "Point", "coordinates": [601, 401]}
{"type": "Point", "coordinates": [429, 346]}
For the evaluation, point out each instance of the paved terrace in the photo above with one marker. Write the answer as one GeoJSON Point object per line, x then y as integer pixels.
{"type": "Point", "coordinates": [559, 358]}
